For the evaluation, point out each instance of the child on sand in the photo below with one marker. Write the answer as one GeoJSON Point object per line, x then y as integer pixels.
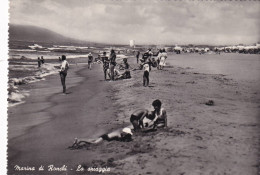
{"type": "Point", "coordinates": [146, 68]}
{"type": "Point", "coordinates": [124, 135]}
{"type": "Point", "coordinates": [63, 72]}
{"type": "Point", "coordinates": [158, 117]}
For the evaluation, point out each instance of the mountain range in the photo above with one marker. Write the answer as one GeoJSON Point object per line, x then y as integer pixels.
{"type": "Point", "coordinates": [30, 33]}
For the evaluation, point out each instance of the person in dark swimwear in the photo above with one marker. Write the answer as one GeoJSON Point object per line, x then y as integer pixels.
{"type": "Point", "coordinates": [90, 60]}
{"type": "Point", "coordinates": [137, 56]}
{"type": "Point", "coordinates": [39, 62]}
{"type": "Point", "coordinates": [124, 135]}
{"type": "Point", "coordinates": [112, 65]}
{"type": "Point", "coordinates": [158, 117]}
{"type": "Point", "coordinates": [126, 74]}
{"type": "Point", "coordinates": [105, 61]}
{"type": "Point", "coordinates": [42, 59]}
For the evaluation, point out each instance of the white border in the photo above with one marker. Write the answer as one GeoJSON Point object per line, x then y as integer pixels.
{"type": "Point", "coordinates": [3, 83]}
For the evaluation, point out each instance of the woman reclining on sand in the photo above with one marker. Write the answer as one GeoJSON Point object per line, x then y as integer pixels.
{"type": "Point", "coordinates": [124, 135]}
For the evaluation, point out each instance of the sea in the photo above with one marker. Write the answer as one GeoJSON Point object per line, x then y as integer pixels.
{"type": "Point", "coordinates": [23, 67]}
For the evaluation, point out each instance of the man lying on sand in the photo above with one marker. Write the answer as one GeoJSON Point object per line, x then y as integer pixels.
{"type": "Point", "coordinates": [158, 117]}
{"type": "Point", "coordinates": [124, 135]}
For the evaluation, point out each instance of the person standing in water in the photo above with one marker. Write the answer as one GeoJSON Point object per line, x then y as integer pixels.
{"type": "Point", "coordinates": [42, 59]}
{"type": "Point", "coordinates": [63, 72]}
{"type": "Point", "coordinates": [39, 62]}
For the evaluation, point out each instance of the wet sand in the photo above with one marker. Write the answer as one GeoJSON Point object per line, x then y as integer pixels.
{"type": "Point", "coordinates": [200, 139]}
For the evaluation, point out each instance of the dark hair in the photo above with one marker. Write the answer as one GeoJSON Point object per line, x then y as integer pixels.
{"type": "Point", "coordinates": [112, 51]}
{"type": "Point", "coordinates": [63, 57]}
{"type": "Point", "coordinates": [104, 53]}
{"type": "Point", "coordinates": [127, 138]}
{"type": "Point", "coordinates": [157, 103]}
{"type": "Point", "coordinates": [163, 50]}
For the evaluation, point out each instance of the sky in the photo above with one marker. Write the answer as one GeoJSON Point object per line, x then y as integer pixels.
{"type": "Point", "coordinates": [145, 21]}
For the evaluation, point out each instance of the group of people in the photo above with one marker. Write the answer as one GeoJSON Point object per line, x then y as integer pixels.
{"type": "Point", "coordinates": [161, 59]}
{"type": "Point", "coordinates": [142, 120]}
{"type": "Point", "coordinates": [109, 67]}
{"type": "Point", "coordinates": [147, 61]}
{"type": "Point", "coordinates": [40, 61]}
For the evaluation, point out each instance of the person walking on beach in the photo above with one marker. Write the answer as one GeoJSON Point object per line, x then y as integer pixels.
{"type": "Point", "coordinates": [158, 117]}
{"type": "Point", "coordinates": [137, 56]}
{"type": "Point", "coordinates": [105, 61]}
{"type": "Point", "coordinates": [112, 64]}
{"type": "Point", "coordinates": [162, 58]}
{"type": "Point", "coordinates": [158, 58]}
{"type": "Point", "coordinates": [146, 68]}
{"type": "Point", "coordinates": [39, 62]}
{"type": "Point", "coordinates": [123, 135]}
{"type": "Point", "coordinates": [90, 60]}
{"type": "Point", "coordinates": [63, 72]}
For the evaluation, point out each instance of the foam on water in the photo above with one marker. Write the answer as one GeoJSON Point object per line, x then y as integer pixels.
{"type": "Point", "coordinates": [16, 97]}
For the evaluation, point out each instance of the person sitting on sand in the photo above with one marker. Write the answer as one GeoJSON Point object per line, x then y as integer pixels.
{"type": "Point", "coordinates": [63, 72]}
{"type": "Point", "coordinates": [159, 114]}
{"type": "Point", "coordinates": [117, 74]}
{"type": "Point", "coordinates": [98, 59]}
{"type": "Point", "coordinates": [158, 117]}
{"type": "Point", "coordinates": [126, 74]}
{"type": "Point", "coordinates": [90, 60]}
{"type": "Point", "coordinates": [124, 135]}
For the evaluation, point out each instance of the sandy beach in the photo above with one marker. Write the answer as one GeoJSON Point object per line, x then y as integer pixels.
{"type": "Point", "coordinates": [200, 139]}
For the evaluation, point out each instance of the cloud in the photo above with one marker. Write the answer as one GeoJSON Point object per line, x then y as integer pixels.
{"type": "Point", "coordinates": [157, 22]}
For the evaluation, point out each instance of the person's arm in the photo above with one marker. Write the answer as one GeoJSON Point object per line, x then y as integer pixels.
{"type": "Point", "coordinates": [142, 118]}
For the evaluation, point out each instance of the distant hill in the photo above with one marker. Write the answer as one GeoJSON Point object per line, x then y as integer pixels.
{"type": "Point", "coordinates": [38, 34]}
